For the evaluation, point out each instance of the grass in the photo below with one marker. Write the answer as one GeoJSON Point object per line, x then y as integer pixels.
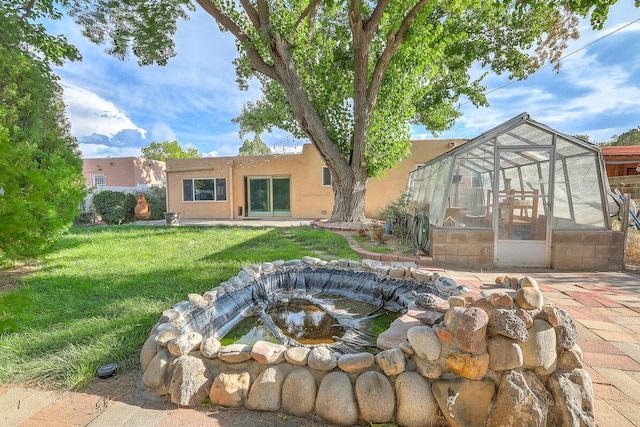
{"type": "Point", "coordinates": [96, 297]}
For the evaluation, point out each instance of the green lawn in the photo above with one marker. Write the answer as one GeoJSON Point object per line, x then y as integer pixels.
{"type": "Point", "coordinates": [96, 297]}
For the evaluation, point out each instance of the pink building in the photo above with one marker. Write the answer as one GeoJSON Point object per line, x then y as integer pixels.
{"type": "Point", "coordinates": [126, 172]}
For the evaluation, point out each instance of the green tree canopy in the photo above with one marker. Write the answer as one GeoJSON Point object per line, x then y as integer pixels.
{"type": "Point", "coordinates": [254, 148]}
{"type": "Point", "coordinates": [352, 76]}
{"type": "Point", "coordinates": [630, 137]}
{"type": "Point", "coordinates": [40, 165]}
{"type": "Point", "coordinates": [168, 150]}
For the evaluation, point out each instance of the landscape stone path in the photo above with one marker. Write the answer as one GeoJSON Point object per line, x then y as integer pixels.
{"type": "Point", "coordinates": [605, 308]}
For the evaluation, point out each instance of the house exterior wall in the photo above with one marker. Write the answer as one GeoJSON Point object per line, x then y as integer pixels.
{"type": "Point", "coordinates": [621, 160]}
{"type": "Point", "coordinates": [309, 198]}
{"type": "Point", "coordinates": [124, 171]}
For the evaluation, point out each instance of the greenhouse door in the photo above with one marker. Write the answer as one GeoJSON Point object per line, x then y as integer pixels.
{"type": "Point", "coordinates": [522, 200]}
{"type": "Point", "coordinates": [269, 196]}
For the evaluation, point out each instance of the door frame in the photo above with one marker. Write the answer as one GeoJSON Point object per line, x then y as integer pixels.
{"type": "Point", "coordinates": [270, 212]}
{"type": "Point", "coordinates": [523, 253]}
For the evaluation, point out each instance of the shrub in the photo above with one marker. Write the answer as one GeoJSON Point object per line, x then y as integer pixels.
{"type": "Point", "coordinates": [115, 207]}
{"type": "Point", "coordinates": [157, 204]}
{"type": "Point", "coordinates": [396, 212]}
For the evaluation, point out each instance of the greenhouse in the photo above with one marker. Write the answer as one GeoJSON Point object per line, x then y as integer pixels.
{"type": "Point", "coordinates": [521, 194]}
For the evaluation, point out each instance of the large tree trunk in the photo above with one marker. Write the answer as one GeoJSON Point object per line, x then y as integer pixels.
{"type": "Point", "coordinates": [349, 197]}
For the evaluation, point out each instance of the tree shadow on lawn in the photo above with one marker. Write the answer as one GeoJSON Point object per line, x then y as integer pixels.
{"type": "Point", "coordinates": [59, 328]}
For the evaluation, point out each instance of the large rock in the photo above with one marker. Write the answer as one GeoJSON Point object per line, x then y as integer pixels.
{"type": "Point", "coordinates": [424, 342]}
{"type": "Point", "coordinates": [149, 350]}
{"type": "Point", "coordinates": [356, 362]}
{"type": "Point", "coordinates": [540, 349]}
{"type": "Point", "coordinates": [508, 324]}
{"type": "Point", "coordinates": [397, 332]}
{"type": "Point", "coordinates": [322, 359]}
{"type": "Point", "coordinates": [472, 366]}
{"type": "Point", "coordinates": [189, 384]}
{"type": "Point", "coordinates": [375, 397]}
{"type": "Point", "coordinates": [235, 353]}
{"type": "Point", "coordinates": [504, 354]}
{"type": "Point", "coordinates": [336, 403]}
{"type": "Point", "coordinates": [265, 392]}
{"type": "Point", "coordinates": [392, 362]}
{"type": "Point", "coordinates": [416, 405]}
{"type": "Point", "coordinates": [470, 330]}
{"type": "Point", "coordinates": [464, 403]}
{"type": "Point", "coordinates": [230, 389]}
{"type": "Point", "coordinates": [566, 330]}
{"type": "Point", "coordinates": [184, 343]}
{"type": "Point", "coordinates": [267, 353]}
{"type": "Point", "coordinates": [297, 355]}
{"type": "Point", "coordinates": [154, 375]}
{"type": "Point", "coordinates": [573, 393]}
{"type": "Point", "coordinates": [428, 368]}
{"type": "Point", "coordinates": [529, 298]}
{"type": "Point", "coordinates": [299, 393]}
{"type": "Point", "coordinates": [521, 400]}
{"type": "Point", "coordinates": [209, 347]}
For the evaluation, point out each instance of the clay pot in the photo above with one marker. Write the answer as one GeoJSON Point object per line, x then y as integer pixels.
{"type": "Point", "coordinates": [142, 208]}
{"type": "Point", "coordinates": [376, 233]}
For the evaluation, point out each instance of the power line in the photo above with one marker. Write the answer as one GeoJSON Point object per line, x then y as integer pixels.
{"type": "Point", "coordinates": [561, 58]}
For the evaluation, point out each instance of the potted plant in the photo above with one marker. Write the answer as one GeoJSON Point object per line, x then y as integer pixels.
{"type": "Point", "coordinates": [172, 218]}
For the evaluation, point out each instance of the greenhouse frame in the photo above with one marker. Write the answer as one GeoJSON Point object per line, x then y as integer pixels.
{"type": "Point", "coordinates": [519, 195]}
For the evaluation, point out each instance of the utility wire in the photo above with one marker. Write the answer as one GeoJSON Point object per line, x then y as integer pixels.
{"type": "Point", "coordinates": [561, 58]}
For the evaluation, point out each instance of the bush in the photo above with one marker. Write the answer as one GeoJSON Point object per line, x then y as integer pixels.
{"type": "Point", "coordinates": [115, 207]}
{"type": "Point", "coordinates": [157, 205]}
{"type": "Point", "coordinates": [396, 212]}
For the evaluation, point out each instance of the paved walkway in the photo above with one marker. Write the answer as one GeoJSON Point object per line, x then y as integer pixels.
{"type": "Point", "coordinates": [605, 308]}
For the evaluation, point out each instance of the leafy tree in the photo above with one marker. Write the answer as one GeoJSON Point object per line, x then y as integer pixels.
{"type": "Point", "coordinates": [40, 165]}
{"type": "Point", "coordinates": [254, 148]}
{"type": "Point", "coordinates": [630, 137]}
{"type": "Point", "coordinates": [168, 150]}
{"type": "Point", "coordinates": [349, 75]}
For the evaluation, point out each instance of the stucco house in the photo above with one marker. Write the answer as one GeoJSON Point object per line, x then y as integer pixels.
{"type": "Point", "coordinates": [124, 172]}
{"type": "Point", "coordinates": [285, 185]}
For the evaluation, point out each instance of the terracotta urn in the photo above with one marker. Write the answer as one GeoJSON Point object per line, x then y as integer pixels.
{"type": "Point", "coordinates": [142, 208]}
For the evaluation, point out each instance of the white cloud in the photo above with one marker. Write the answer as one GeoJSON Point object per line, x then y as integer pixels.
{"type": "Point", "coordinates": [90, 114]}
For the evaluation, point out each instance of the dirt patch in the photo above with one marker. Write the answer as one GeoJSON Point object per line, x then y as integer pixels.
{"type": "Point", "coordinates": [11, 278]}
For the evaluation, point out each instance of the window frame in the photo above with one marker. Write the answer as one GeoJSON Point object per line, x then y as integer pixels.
{"type": "Point", "coordinates": [217, 186]}
{"type": "Point", "coordinates": [98, 177]}
{"type": "Point", "coordinates": [330, 184]}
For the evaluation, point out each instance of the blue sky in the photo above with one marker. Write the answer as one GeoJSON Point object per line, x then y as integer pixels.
{"type": "Point", "coordinates": [117, 107]}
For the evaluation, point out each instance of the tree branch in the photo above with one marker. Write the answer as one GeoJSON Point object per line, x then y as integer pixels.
{"type": "Point", "coordinates": [373, 21]}
{"type": "Point", "coordinates": [251, 13]}
{"type": "Point", "coordinates": [306, 12]}
{"type": "Point", "coordinates": [394, 40]}
{"type": "Point", "coordinates": [27, 10]}
{"type": "Point", "coordinates": [255, 59]}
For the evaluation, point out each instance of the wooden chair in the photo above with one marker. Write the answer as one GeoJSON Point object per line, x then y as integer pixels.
{"type": "Point", "coordinates": [521, 209]}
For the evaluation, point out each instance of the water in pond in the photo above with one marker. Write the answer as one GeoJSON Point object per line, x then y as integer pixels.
{"type": "Point", "coordinates": [308, 323]}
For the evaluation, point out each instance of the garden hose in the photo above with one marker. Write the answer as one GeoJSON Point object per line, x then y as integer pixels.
{"type": "Point", "coordinates": [420, 232]}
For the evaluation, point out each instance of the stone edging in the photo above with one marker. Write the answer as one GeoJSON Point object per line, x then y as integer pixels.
{"type": "Point", "coordinates": [423, 262]}
{"type": "Point", "coordinates": [471, 359]}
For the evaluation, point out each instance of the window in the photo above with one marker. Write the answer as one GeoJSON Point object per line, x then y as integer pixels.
{"type": "Point", "coordinates": [98, 180]}
{"type": "Point", "coordinates": [326, 176]}
{"type": "Point", "coordinates": [204, 190]}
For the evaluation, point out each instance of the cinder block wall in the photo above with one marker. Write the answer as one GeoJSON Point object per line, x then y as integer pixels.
{"type": "Point", "coordinates": [570, 250]}
{"type": "Point", "coordinates": [587, 250]}
{"type": "Point", "coordinates": [464, 248]}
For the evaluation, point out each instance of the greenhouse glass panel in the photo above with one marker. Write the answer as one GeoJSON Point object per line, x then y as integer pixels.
{"type": "Point", "coordinates": [525, 134]}
{"type": "Point", "coordinates": [577, 196]}
{"type": "Point", "coordinates": [438, 186]}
